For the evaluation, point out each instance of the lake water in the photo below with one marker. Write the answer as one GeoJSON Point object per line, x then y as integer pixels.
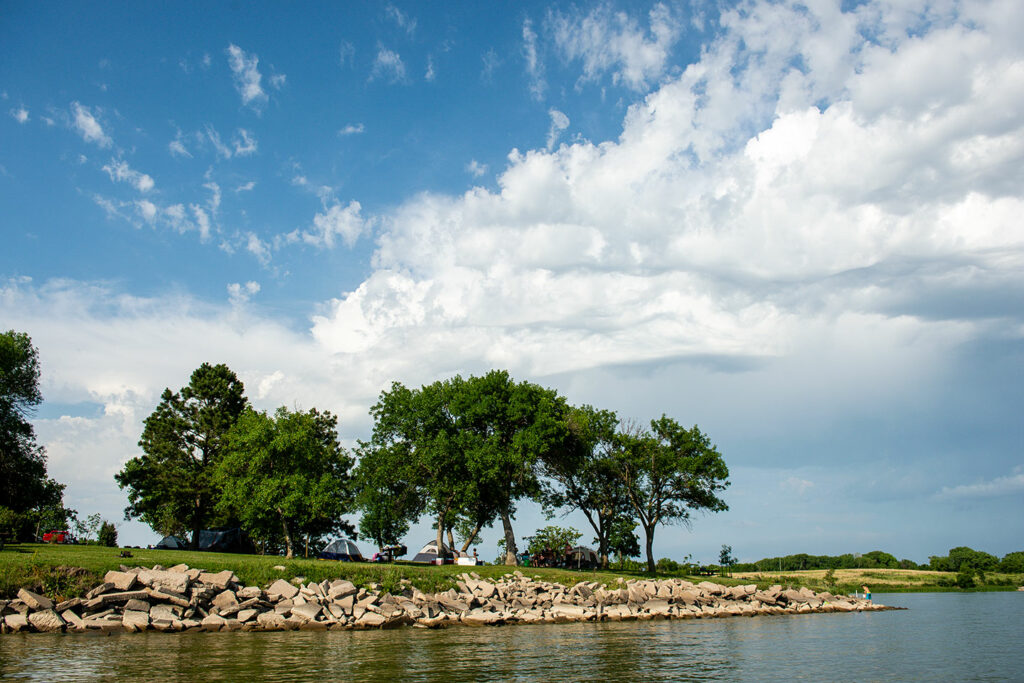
{"type": "Point", "coordinates": [942, 636]}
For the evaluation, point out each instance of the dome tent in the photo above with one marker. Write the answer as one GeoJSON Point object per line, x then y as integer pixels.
{"type": "Point", "coordinates": [341, 549]}
{"type": "Point", "coordinates": [428, 553]}
{"type": "Point", "coordinates": [171, 543]}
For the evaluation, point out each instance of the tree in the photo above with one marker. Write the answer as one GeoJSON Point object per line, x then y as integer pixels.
{"type": "Point", "coordinates": [975, 558]}
{"type": "Point", "coordinates": [583, 477]}
{"type": "Point", "coordinates": [170, 486]}
{"type": "Point", "coordinates": [668, 473]}
{"type": "Point", "coordinates": [24, 484]}
{"type": "Point", "coordinates": [622, 538]}
{"type": "Point", "coordinates": [416, 447]}
{"type": "Point", "coordinates": [552, 539]}
{"type": "Point", "coordinates": [286, 472]}
{"type": "Point", "coordinates": [506, 428]}
{"type": "Point", "coordinates": [107, 535]}
{"type": "Point", "coordinates": [1012, 563]}
{"type": "Point", "coordinates": [725, 557]}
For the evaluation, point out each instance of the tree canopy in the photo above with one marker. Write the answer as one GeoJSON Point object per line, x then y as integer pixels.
{"type": "Point", "coordinates": [285, 475]}
{"type": "Point", "coordinates": [668, 473]}
{"type": "Point", "coordinates": [170, 486]}
{"type": "Point", "coordinates": [24, 484]}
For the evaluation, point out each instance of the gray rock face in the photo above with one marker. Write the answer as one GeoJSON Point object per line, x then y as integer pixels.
{"type": "Point", "coordinates": [34, 601]}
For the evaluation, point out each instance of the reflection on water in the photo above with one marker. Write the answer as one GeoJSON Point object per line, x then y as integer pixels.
{"type": "Point", "coordinates": [943, 636]}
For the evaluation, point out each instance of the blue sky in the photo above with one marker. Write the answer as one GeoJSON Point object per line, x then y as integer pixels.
{"type": "Point", "coordinates": [794, 224]}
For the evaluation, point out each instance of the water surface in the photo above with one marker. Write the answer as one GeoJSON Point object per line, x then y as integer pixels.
{"type": "Point", "coordinates": [943, 636]}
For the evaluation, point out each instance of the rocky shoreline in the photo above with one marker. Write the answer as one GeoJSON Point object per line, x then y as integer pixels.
{"type": "Point", "coordinates": [182, 599]}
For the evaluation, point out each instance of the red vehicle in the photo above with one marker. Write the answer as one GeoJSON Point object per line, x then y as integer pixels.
{"type": "Point", "coordinates": [57, 537]}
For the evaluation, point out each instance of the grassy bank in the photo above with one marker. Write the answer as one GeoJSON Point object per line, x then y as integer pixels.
{"type": "Point", "coordinates": [880, 580]}
{"type": "Point", "coordinates": [64, 571]}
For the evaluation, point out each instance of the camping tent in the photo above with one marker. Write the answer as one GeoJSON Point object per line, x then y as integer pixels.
{"type": "Point", "coordinates": [428, 553]}
{"type": "Point", "coordinates": [341, 549]}
{"type": "Point", "coordinates": [582, 557]}
{"type": "Point", "coordinates": [225, 541]}
{"type": "Point", "coordinates": [171, 543]}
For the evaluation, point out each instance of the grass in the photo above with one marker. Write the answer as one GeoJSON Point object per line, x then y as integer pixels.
{"type": "Point", "coordinates": [880, 580]}
{"type": "Point", "coordinates": [64, 571]}
{"type": "Point", "coordinates": [69, 570]}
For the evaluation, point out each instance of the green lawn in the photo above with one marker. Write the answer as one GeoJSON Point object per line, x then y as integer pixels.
{"type": "Point", "coordinates": [46, 567]}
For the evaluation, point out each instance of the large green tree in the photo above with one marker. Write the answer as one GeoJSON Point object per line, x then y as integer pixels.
{"type": "Point", "coordinates": [668, 473]}
{"type": "Point", "coordinates": [507, 429]}
{"type": "Point", "coordinates": [170, 486]}
{"type": "Point", "coordinates": [416, 446]}
{"type": "Point", "coordinates": [286, 473]}
{"type": "Point", "coordinates": [24, 484]}
{"type": "Point", "coordinates": [584, 476]}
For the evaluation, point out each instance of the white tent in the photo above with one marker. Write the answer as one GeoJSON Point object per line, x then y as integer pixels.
{"type": "Point", "coordinates": [341, 549]}
{"type": "Point", "coordinates": [428, 553]}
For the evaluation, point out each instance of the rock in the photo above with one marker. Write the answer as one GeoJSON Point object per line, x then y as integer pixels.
{"type": "Point", "coordinates": [249, 592]}
{"type": "Point", "coordinates": [16, 622]}
{"type": "Point", "coordinates": [246, 615]}
{"type": "Point", "coordinates": [178, 568]}
{"type": "Point", "coordinates": [212, 622]}
{"type": "Point", "coordinates": [225, 600]}
{"type": "Point", "coordinates": [658, 607]}
{"type": "Point", "coordinates": [569, 612]}
{"type": "Point", "coordinates": [480, 617]}
{"type": "Point", "coordinates": [73, 603]}
{"type": "Point", "coordinates": [370, 620]}
{"type": "Point", "coordinates": [270, 621]}
{"type": "Point", "coordinates": [137, 605]}
{"type": "Point", "coordinates": [176, 581]}
{"type": "Point", "coordinates": [73, 620]}
{"type": "Point", "coordinates": [307, 612]}
{"type": "Point", "coordinates": [220, 580]}
{"type": "Point", "coordinates": [282, 589]}
{"type": "Point", "coordinates": [122, 581]}
{"type": "Point", "coordinates": [35, 601]}
{"type": "Point", "coordinates": [116, 598]}
{"type": "Point", "coordinates": [135, 621]}
{"type": "Point", "coordinates": [341, 589]}
{"type": "Point", "coordinates": [46, 621]}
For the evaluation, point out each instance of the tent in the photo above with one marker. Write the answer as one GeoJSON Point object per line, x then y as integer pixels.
{"type": "Point", "coordinates": [428, 553]}
{"type": "Point", "coordinates": [582, 557]}
{"type": "Point", "coordinates": [341, 549]}
{"type": "Point", "coordinates": [225, 541]}
{"type": "Point", "coordinates": [171, 543]}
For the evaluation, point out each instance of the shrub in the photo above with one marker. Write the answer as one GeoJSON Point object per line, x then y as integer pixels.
{"type": "Point", "coordinates": [667, 566]}
{"type": "Point", "coordinates": [108, 535]}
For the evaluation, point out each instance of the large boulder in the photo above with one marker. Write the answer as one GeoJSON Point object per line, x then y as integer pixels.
{"type": "Point", "coordinates": [282, 589]}
{"type": "Point", "coordinates": [35, 601]}
{"type": "Point", "coordinates": [122, 581]}
{"type": "Point", "coordinates": [46, 621]}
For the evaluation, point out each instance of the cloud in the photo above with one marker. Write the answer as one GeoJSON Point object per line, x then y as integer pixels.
{"type": "Point", "coordinates": [258, 248]}
{"type": "Point", "coordinates": [476, 169]}
{"type": "Point", "coordinates": [1012, 484]}
{"type": "Point", "coordinates": [277, 81]}
{"type": "Point", "coordinates": [346, 53]}
{"type": "Point", "coordinates": [245, 143]}
{"type": "Point", "coordinates": [403, 20]}
{"type": "Point", "coordinates": [559, 122]}
{"type": "Point", "coordinates": [491, 62]}
{"type": "Point", "coordinates": [334, 222]}
{"type": "Point", "coordinates": [534, 67]}
{"type": "Point", "coordinates": [119, 171]}
{"type": "Point", "coordinates": [352, 129]}
{"type": "Point", "coordinates": [608, 41]}
{"type": "Point", "coordinates": [20, 114]}
{"type": "Point", "coordinates": [202, 222]}
{"type": "Point", "coordinates": [147, 209]}
{"type": "Point", "coordinates": [223, 151]}
{"type": "Point", "coordinates": [239, 294]}
{"type": "Point", "coordinates": [246, 187]}
{"type": "Point", "coordinates": [177, 146]}
{"type": "Point", "coordinates": [85, 122]}
{"type": "Point", "coordinates": [430, 73]}
{"type": "Point", "coordinates": [388, 64]}
{"type": "Point", "coordinates": [247, 77]}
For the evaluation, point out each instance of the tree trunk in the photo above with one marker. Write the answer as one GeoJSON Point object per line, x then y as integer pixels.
{"type": "Point", "coordinates": [510, 539]}
{"type": "Point", "coordinates": [289, 551]}
{"type": "Point", "coordinates": [649, 532]}
{"type": "Point", "coordinates": [451, 540]}
{"type": "Point", "coordinates": [472, 537]}
{"type": "Point", "coordinates": [440, 537]}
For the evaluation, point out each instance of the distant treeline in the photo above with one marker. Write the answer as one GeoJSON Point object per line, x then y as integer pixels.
{"type": "Point", "coordinates": [956, 560]}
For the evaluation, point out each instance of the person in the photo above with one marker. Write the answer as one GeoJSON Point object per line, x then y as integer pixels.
{"type": "Point", "coordinates": [476, 560]}
{"type": "Point", "coordinates": [867, 592]}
